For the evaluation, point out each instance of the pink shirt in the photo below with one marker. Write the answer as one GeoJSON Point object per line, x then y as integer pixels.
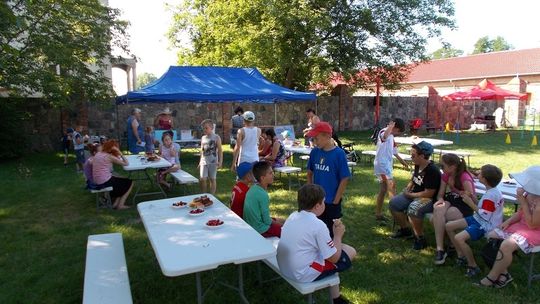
{"type": "Point", "coordinates": [464, 178]}
{"type": "Point", "coordinates": [167, 154]}
{"type": "Point", "coordinates": [521, 227]}
{"type": "Point", "coordinates": [102, 168]}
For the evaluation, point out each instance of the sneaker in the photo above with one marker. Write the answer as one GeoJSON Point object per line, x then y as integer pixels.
{"type": "Point", "coordinates": [402, 233]}
{"type": "Point", "coordinates": [419, 243]}
{"type": "Point", "coordinates": [340, 300]}
{"type": "Point", "coordinates": [451, 251]}
{"type": "Point", "coordinates": [461, 261]}
{"type": "Point", "coordinates": [440, 257]}
{"type": "Point", "coordinates": [472, 271]}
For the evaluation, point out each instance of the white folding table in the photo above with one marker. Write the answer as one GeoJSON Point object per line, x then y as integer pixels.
{"type": "Point", "coordinates": [415, 139]}
{"type": "Point", "coordinates": [138, 163]}
{"type": "Point", "coordinates": [508, 189]}
{"type": "Point", "coordinates": [183, 244]}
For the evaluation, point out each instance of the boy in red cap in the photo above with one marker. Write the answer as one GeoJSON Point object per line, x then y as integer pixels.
{"type": "Point", "coordinates": [327, 167]}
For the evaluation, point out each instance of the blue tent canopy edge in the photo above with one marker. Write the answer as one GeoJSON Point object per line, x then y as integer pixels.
{"type": "Point", "coordinates": [213, 84]}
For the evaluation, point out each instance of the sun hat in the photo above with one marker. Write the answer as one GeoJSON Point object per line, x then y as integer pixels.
{"type": "Point", "coordinates": [320, 127]}
{"type": "Point", "coordinates": [425, 147]}
{"type": "Point", "coordinates": [285, 134]}
{"type": "Point", "coordinates": [166, 111]}
{"type": "Point", "coordinates": [529, 179]}
{"type": "Point", "coordinates": [249, 116]}
{"type": "Point", "coordinates": [243, 169]}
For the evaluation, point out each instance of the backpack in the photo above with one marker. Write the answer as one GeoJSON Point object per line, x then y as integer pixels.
{"type": "Point", "coordinates": [375, 135]}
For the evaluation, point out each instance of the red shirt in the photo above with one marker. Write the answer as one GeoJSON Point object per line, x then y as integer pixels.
{"type": "Point", "coordinates": [238, 197]}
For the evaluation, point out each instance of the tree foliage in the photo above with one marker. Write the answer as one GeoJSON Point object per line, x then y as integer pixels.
{"type": "Point", "coordinates": [447, 51]}
{"type": "Point", "coordinates": [301, 42]}
{"type": "Point", "coordinates": [144, 79]}
{"type": "Point", "coordinates": [58, 49]}
{"type": "Point", "coordinates": [486, 45]}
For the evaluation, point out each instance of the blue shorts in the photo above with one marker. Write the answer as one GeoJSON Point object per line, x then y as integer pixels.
{"type": "Point", "coordinates": [474, 228]}
{"type": "Point", "coordinates": [342, 264]}
{"type": "Point", "coordinates": [80, 156]}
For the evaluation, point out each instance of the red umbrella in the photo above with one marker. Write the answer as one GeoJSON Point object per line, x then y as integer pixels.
{"type": "Point", "coordinates": [485, 90]}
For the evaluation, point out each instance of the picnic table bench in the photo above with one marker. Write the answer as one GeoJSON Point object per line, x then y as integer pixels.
{"type": "Point", "coordinates": [372, 153]}
{"type": "Point", "coordinates": [106, 277]}
{"type": "Point", "coordinates": [459, 153]}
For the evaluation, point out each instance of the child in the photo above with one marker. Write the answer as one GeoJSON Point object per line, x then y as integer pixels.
{"type": "Point", "coordinates": [88, 165]}
{"type": "Point", "coordinates": [306, 252]}
{"type": "Point", "coordinates": [78, 146]}
{"type": "Point", "coordinates": [256, 207]}
{"type": "Point", "coordinates": [241, 188]}
{"type": "Point", "coordinates": [487, 216]}
{"type": "Point", "coordinates": [149, 140]}
{"type": "Point", "coordinates": [211, 156]}
{"type": "Point", "coordinates": [327, 166]}
{"type": "Point", "coordinates": [169, 152]}
{"type": "Point", "coordinates": [66, 138]}
{"type": "Point", "coordinates": [383, 163]}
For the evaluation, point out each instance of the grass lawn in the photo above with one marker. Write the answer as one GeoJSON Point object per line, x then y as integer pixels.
{"type": "Point", "coordinates": [46, 217]}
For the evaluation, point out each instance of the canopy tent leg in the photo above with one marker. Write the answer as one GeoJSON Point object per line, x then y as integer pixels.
{"type": "Point", "coordinates": [275, 114]}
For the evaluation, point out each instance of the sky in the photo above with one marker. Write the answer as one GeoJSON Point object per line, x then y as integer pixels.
{"type": "Point", "coordinates": [516, 21]}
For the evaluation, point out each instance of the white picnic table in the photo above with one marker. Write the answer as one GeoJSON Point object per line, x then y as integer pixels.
{"type": "Point", "coordinates": [183, 244]}
{"type": "Point", "coordinates": [507, 187]}
{"type": "Point", "coordinates": [415, 139]}
{"type": "Point", "coordinates": [139, 164]}
{"type": "Point", "coordinates": [298, 149]}
{"type": "Point", "coordinates": [192, 143]}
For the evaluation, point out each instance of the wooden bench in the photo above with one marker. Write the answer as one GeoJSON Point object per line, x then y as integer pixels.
{"type": "Point", "coordinates": [183, 178]}
{"type": "Point", "coordinates": [103, 197]}
{"type": "Point", "coordinates": [106, 277]}
{"type": "Point", "coordinates": [304, 288]}
{"type": "Point", "coordinates": [289, 171]}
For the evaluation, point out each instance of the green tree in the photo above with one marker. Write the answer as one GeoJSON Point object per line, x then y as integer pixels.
{"type": "Point", "coordinates": [301, 42]}
{"type": "Point", "coordinates": [58, 48]}
{"type": "Point", "coordinates": [144, 79]}
{"type": "Point", "coordinates": [447, 51]}
{"type": "Point", "coordinates": [486, 45]}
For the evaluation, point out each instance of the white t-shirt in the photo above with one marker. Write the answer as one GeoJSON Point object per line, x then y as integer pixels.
{"type": "Point", "coordinates": [386, 149]}
{"type": "Point", "coordinates": [305, 241]}
{"type": "Point", "coordinates": [490, 209]}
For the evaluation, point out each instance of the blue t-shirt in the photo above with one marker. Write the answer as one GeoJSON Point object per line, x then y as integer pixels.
{"type": "Point", "coordinates": [329, 168]}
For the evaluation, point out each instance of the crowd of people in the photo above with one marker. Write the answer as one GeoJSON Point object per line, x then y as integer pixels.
{"type": "Point", "coordinates": [447, 193]}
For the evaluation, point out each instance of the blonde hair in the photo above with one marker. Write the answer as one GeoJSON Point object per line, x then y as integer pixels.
{"type": "Point", "coordinates": [207, 122]}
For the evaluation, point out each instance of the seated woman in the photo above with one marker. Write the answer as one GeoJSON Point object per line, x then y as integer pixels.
{"type": "Point", "coordinates": [169, 151]}
{"type": "Point", "coordinates": [102, 173]}
{"type": "Point", "coordinates": [520, 231]}
{"type": "Point", "coordinates": [88, 165]}
{"type": "Point", "coordinates": [265, 145]}
{"type": "Point", "coordinates": [450, 205]}
{"type": "Point", "coordinates": [277, 155]}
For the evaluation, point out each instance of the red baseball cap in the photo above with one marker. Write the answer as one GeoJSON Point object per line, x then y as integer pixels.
{"type": "Point", "coordinates": [321, 127]}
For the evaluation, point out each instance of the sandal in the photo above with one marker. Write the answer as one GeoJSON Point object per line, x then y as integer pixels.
{"type": "Point", "coordinates": [507, 279]}
{"type": "Point", "coordinates": [494, 283]}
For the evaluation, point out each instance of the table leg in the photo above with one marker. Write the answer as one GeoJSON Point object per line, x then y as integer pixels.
{"type": "Point", "coordinates": [157, 184]}
{"type": "Point", "coordinates": [199, 288]}
{"type": "Point", "coordinates": [241, 284]}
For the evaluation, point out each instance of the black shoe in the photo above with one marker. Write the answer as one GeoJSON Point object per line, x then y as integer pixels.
{"type": "Point", "coordinates": [461, 261]}
{"type": "Point", "coordinates": [440, 257]}
{"type": "Point", "coordinates": [340, 300]}
{"type": "Point", "coordinates": [420, 243]}
{"type": "Point", "coordinates": [402, 233]}
{"type": "Point", "coordinates": [472, 271]}
{"type": "Point", "coordinates": [451, 251]}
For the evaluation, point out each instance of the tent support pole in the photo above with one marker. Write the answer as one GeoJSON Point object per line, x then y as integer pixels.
{"type": "Point", "coordinates": [275, 113]}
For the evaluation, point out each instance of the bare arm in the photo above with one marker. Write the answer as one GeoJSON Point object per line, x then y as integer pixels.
{"type": "Point", "coordinates": [122, 160]}
{"type": "Point", "coordinates": [404, 163]}
{"type": "Point", "coordinates": [219, 152]}
{"type": "Point", "coordinates": [442, 191]}
{"type": "Point", "coordinates": [341, 188]}
{"type": "Point", "coordinates": [531, 218]}
{"type": "Point", "coordinates": [339, 231]}
{"type": "Point", "coordinates": [309, 176]}
{"type": "Point", "coordinates": [236, 151]}
{"type": "Point", "coordinates": [134, 125]}
{"type": "Point", "coordinates": [275, 150]}
{"type": "Point", "coordinates": [427, 193]}
{"type": "Point", "coordinates": [315, 119]}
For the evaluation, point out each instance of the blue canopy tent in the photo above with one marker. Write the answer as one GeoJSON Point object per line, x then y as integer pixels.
{"type": "Point", "coordinates": [213, 84]}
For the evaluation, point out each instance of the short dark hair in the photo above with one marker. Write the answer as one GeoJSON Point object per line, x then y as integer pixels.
{"type": "Point", "coordinates": [270, 132]}
{"type": "Point", "coordinates": [400, 124]}
{"type": "Point", "coordinates": [238, 109]}
{"type": "Point", "coordinates": [310, 110]}
{"type": "Point", "coordinates": [492, 174]}
{"type": "Point", "coordinates": [310, 195]}
{"type": "Point", "coordinates": [260, 168]}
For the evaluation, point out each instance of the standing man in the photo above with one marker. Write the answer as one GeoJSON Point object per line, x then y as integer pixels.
{"type": "Point", "coordinates": [237, 122]}
{"type": "Point", "coordinates": [327, 167]}
{"type": "Point", "coordinates": [246, 149]}
{"type": "Point", "coordinates": [78, 146]}
{"type": "Point", "coordinates": [135, 132]}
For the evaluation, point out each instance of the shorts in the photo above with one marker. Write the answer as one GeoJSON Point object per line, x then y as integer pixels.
{"type": "Point", "coordinates": [331, 212]}
{"type": "Point", "coordinates": [208, 171]}
{"type": "Point", "coordinates": [120, 186]}
{"type": "Point", "coordinates": [329, 269]}
{"type": "Point", "coordinates": [273, 230]}
{"type": "Point", "coordinates": [474, 228]}
{"type": "Point", "coordinates": [456, 201]}
{"type": "Point", "coordinates": [79, 154]}
{"type": "Point", "coordinates": [383, 172]}
{"type": "Point", "coordinates": [420, 207]}
{"type": "Point", "coordinates": [399, 203]}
